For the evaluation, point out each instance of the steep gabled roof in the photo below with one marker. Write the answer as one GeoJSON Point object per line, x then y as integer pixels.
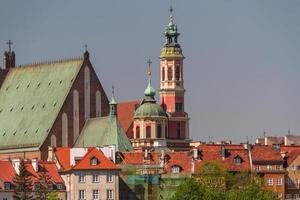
{"type": "Point", "coordinates": [30, 100]}
{"type": "Point", "coordinates": [103, 131]}
{"type": "Point", "coordinates": [63, 156]}
{"type": "Point", "coordinates": [103, 162]}
{"type": "Point", "coordinates": [7, 171]}
{"type": "Point", "coordinates": [126, 112]}
{"type": "Point", "coordinates": [265, 154]}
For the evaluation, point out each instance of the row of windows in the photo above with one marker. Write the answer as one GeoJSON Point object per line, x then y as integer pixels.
{"type": "Point", "coordinates": [278, 181]}
{"type": "Point", "coordinates": [170, 73]}
{"type": "Point", "coordinates": [109, 194]}
{"type": "Point", "coordinates": [95, 178]}
{"type": "Point", "coordinates": [148, 131]}
{"type": "Point", "coordinates": [292, 196]}
{"type": "Point", "coordinates": [269, 167]}
{"type": "Point", "coordinates": [8, 186]}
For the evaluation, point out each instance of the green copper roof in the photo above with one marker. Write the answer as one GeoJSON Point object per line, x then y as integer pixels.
{"type": "Point", "coordinates": [149, 109]}
{"type": "Point", "coordinates": [30, 100]}
{"type": "Point", "coordinates": [150, 91]}
{"type": "Point", "coordinates": [102, 131]}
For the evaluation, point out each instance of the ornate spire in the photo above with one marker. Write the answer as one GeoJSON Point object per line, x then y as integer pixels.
{"type": "Point", "coordinates": [113, 103]}
{"type": "Point", "coordinates": [9, 43]}
{"type": "Point", "coordinates": [150, 91]}
{"type": "Point", "coordinates": [171, 30]}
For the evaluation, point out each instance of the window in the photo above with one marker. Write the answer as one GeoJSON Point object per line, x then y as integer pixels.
{"type": "Point", "coordinates": [59, 186]}
{"type": "Point", "coordinates": [179, 107]}
{"type": "Point", "coordinates": [7, 186]}
{"type": "Point", "coordinates": [109, 177]}
{"type": "Point", "coordinates": [95, 178]}
{"type": "Point", "coordinates": [278, 167]}
{"type": "Point", "coordinates": [137, 132]}
{"type": "Point", "coordinates": [269, 167]}
{"type": "Point", "coordinates": [148, 132]}
{"type": "Point", "coordinates": [163, 73]}
{"type": "Point", "coordinates": [95, 194]}
{"type": "Point", "coordinates": [94, 161]}
{"type": "Point", "coordinates": [293, 167]}
{"type": "Point", "coordinates": [50, 186]}
{"type": "Point", "coordinates": [170, 73]}
{"type": "Point", "coordinates": [279, 181]}
{"type": "Point", "coordinates": [175, 169]}
{"type": "Point", "coordinates": [177, 72]}
{"type": "Point", "coordinates": [237, 160]}
{"type": "Point", "coordinates": [81, 194]}
{"type": "Point", "coordinates": [81, 178]}
{"type": "Point", "coordinates": [158, 131]}
{"type": "Point", "coordinates": [109, 194]}
{"type": "Point", "coordinates": [178, 130]}
{"type": "Point", "coordinates": [270, 181]}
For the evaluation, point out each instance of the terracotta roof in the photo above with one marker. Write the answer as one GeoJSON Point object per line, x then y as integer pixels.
{"type": "Point", "coordinates": [264, 153]}
{"type": "Point", "coordinates": [63, 156]}
{"type": "Point", "coordinates": [7, 171]}
{"type": "Point", "coordinates": [125, 113]}
{"type": "Point", "coordinates": [85, 162]}
{"type": "Point", "coordinates": [213, 153]}
{"type": "Point", "coordinates": [52, 171]}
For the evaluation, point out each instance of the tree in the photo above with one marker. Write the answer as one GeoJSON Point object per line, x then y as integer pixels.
{"type": "Point", "coordinates": [23, 184]}
{"type": "Point", "coordinates": [52, 196]}
{"type": "Point", "coordinates": [42, 191]}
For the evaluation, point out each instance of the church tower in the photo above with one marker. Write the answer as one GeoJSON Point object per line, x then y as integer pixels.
{"type": "Point", "coordinates": [171, 85]}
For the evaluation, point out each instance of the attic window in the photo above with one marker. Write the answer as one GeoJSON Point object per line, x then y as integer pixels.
{"type": "Point", "coordinates": [72, 79]}
{"type": "Point", "coordinates": [176, 169]}
{"type": "Point", "coordinates": [25, 132]}
{"type": "Point", "coordinates": [7, 186]}
{"type": "Point", "coordinates": [60, 81]}
{"type": "Point", "coordinates": [38, 84]}
{"type": "Point", "coordinates": [22, 107]}
{"type": "Point", "coordinates": [28, 85]}
{"type": "Point", "coordinates": [1, 110]}
{"type": "Point", "coordinates": [43, 105]}
{"type": "Point", "coordinates": [49, 83]}
{"type": "Point", "coordinates": [32, 107]}
{"type": "Point", "coordinates": [12, 108]}
{"type": "Point", "coordinates": [15, 133]}
{"type": "Point", "coordinates": [37, 130]}
{"type": "Point", "coordinates": [4, 133]}
{"type": "Point", "coordinates": [47, 130]}
{"type": "Point", "coordinates": [94, 161]}
{"type": "Point", "coordinates": [18, 87]}
{"type": "Point", "coordinates": [237, 160]}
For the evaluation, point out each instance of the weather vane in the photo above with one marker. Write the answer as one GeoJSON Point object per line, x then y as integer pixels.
{"type": "Point", "coordinates": [113, 90]}
{"type": "Point", "coordinates": [85, 47]}
{"type": "Point", "coordinates": [149, 66]}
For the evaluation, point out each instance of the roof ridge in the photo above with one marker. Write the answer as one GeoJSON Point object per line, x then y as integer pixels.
{"type": "Point", "coordinates": [52, 62]}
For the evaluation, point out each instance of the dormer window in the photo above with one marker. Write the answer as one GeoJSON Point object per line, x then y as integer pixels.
{"type": "Point", "coordinates": [94, 161]}
{"type": "Point", "coordinates": [176, 169]}
{"type": "Point", "coordinates": [237, 160]}
{"type": "Point", "coordinates": [7, 186]}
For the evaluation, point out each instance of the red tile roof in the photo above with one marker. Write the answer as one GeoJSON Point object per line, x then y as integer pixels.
{"type": "Point", "coordinates": [212, 152]}
{"type": "Point", "coordinates": [7, 171]}
{"type": "Point", "coordinates": [63, 156]}
{"type": "Point", "coordinates": [125, 113]}
{"type": "Point", "coordinates": [264, 153]}
{"type": "Point", "coordinates": [85, 162]}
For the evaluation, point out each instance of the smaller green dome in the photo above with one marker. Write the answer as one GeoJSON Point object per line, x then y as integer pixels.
{"type": "Point", "coordinates": [150, 109]}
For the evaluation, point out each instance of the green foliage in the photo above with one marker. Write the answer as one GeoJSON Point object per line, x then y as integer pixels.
{"type": "Point", "coordinates": [214, 183]}
{"type": "Point", "coordinates": [42, 191]}
{"type": "Point", "coordinates": [23, 184]}
{"type": "Point", "coordinates": [52, 196]}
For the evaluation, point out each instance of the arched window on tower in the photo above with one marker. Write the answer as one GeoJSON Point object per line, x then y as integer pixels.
{"type": "Point", "coordinates": [170, 73]}
{"type": "Point", "coordinates": [53, 140]}
{"type": "Point", "coordinates": [158, 131]}
{"type": "Point", "coordinates": [163, 74]}
{"type": "Point", "coordinates": [137, 132]}
{"type": "Point", "coordinates": [177, 73]}
{"type": "Point", "coordinates": [148, 132]}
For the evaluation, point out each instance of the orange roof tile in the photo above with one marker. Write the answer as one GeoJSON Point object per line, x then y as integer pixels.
{"type": "Point", "coordinates": [265, 153]}
{"type": "Point", "coordinates": [7, 171]}
{"type": "Point", "coordinates": [125, 113]}
{"type": "Point", "coordinates": [85, 162]}
{"type": "Point", "coordinates": [63, 156]}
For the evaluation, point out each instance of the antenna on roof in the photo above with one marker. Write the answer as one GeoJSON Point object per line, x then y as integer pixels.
{"type": "Point", "coordinates": [265, 134]}
{"type": "Point", "coordinates": [289, 132]}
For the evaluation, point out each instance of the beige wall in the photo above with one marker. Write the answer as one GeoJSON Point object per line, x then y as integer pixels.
{"type": "Point", "coordinates": [73, 185]}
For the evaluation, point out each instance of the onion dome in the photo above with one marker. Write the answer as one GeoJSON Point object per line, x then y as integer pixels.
{"type": "Point", "coordinates": [148, 107]}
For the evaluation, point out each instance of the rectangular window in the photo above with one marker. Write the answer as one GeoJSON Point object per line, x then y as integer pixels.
{"type": "Point", "coordinates": [95, 178]}
{"type": "Point", "coordinates": [81, 194]}
{"type": "Point", "coordinates": [270, 181]}
{"type": "Point", "coordinates": [7, 186]}
{"type": "Point", "coordinates": [179, 107]}
{"type": "Point", "coordinates": [269, 167]}
{"type": "Point", "coordinates": [81, 178]}
{"type": "Point", "coordinates": [109, 194]}
{"type": "Point", "coordinates": [109, 178]}
{"type": "Point", "coordinates": [279, 181]}
{"type": "Point", "coordinates": [178, 130]}
{"type": "Point", "coordinates": [257, 167]}
{"type": "Point", "coordinates": [95, 194]}
{"type": "Point", "coordinates": [170, 73]}
{"type": "Point", "coordinates": [177, 72]}
{"type": "Point", "coordinates": [278, 167]}
{"type": "Point", "coordinates": [59, 186]}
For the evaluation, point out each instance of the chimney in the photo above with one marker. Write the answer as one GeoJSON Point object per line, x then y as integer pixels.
{"type": "Point", "coordinates": [9, 59]}
{"type": "Point", "coordinates": [162, 158]}
{"type": "Point", "coordinates": [50, 154]}
{"type": "Point", "coordinates": [195, 154]}
{"type": "Point", "coordinates": [147, 156]}
{"type": "Point", "coordinates": [16, 164]}
{"type": "Point", "coordinates": [35, 165]}
{"type": "Point", "coordinates": [223, 152]}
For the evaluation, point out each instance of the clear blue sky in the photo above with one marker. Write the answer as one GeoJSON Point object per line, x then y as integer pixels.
{"type": "Point", "coordinates": [242, 61]}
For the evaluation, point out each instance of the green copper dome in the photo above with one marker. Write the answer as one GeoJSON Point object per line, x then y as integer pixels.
{"type": "Point", "coordinates": [149, 109]}
{"type": "Point", "coordinates": [150, 91]}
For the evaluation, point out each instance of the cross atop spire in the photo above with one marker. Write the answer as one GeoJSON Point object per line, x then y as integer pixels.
{"type": "Point", "coordinates": [149, 66]}
{"type": "Point", "coordinates": [85, 47]}
{"type": "Point", "coordinates": [171, 14]}
{"type": "Point", "coordinates": [9, 43]}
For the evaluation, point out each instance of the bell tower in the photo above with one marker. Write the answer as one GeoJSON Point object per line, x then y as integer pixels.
{"type": "Point", "coordinates": [171, 83]}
